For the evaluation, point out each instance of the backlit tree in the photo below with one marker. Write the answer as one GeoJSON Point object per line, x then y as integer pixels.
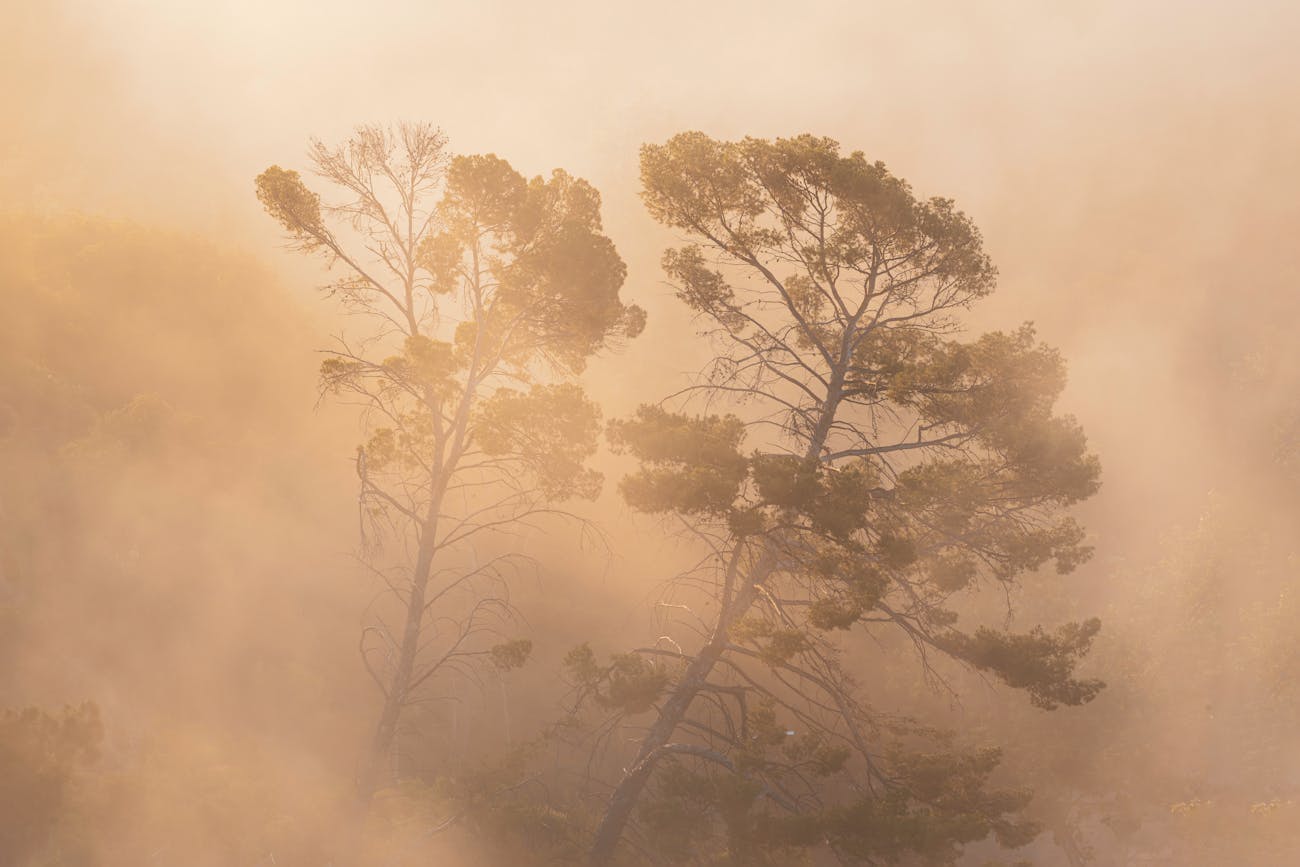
{"type": "Point", "coordinates": [480, 289]}
{"type": "Point", "coordinates": [856, 467]}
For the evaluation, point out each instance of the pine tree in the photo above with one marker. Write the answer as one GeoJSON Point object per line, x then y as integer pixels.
{"type": "Point", "coordinates": [482, 290]}
{"type": "Point", "coordinates": [872, 468]}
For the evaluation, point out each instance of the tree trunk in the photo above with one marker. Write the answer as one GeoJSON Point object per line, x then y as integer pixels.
{"type": "Point", "coordinates": [374, 773]}
{"type": "Point", "coordinates": [628, 791]}
{"type": "Point", "coordinates": [626, 794]}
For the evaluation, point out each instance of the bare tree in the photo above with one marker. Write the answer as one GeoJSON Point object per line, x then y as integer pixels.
{"type": "Point", "coordinates": [892, 466]}
{"type": "Point", "coordinates": [479, 287]}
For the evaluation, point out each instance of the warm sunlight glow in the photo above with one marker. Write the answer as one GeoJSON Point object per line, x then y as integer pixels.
{"type": "Point", "coordinates": [496, 433]}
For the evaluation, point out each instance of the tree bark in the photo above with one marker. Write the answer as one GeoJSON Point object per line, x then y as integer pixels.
{"type": "Point", "coordinates": [381, 746]}
{"type": "Point", "coordinates": [628, 791]}
{"type": "Point", "coordinates": [374, 773]}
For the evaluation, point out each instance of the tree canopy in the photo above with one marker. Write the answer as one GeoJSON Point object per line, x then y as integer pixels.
{"type": "Point", "coordinates": [480, 286]}
{"type": "Point", "coordinates": [872, 467]}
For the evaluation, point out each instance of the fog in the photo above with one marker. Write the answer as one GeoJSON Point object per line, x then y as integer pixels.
{"type": "Point", "coordinates": [179, 532]}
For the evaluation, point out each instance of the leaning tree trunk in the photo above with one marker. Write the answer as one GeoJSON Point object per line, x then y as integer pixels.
{"type": "Point", "coordinates": [628, 791]}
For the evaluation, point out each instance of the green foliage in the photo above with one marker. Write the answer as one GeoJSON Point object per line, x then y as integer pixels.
{"type": "Point", "coordinates": [428, 365]}
{"type": "Point", "coordinates": [527, 259]}
{"type": "Point", "coordinates": [852, 582]}
{"type": "Point", "coordinates": [724, 812]}
{"type": "Point", "coordinates": [702, 288]}
{"type": "Point", "coordinates": [999, 390]}
{"type": "Point", "coordinates": [692, 465]}
{"type": "Point", "coordinates": [511, 654]}
{"type": "Point", "coordinates": [558, 275]}
{"type": "Point", "coordinates": [775, 644]}
{"type": "Point", "coordinates": [1041, 664]}
{"type": "Point", "coordinates": [628, 683]}
{"type": "Point", "coordinates": [835, 612]}
{"type": "Point", "coordinates": [834, 219]}
{"type": "Point", "coordinates": [723, 191]}
{"type": "Point", "coordinates": [937, 803]}
{"type": "Point", "coordinates": [552, 429]}
{"type": "Point", "coordinates": [952, 571]}
{"type": "Point", "coordinates": [682, 812]}
{"type": "Point", "coordinates": [633, 683]}
{"type": "Point", "coordinates": [835, 500]}
{"type": "Point", "coordinates": [287, 199]}
{"type": "Point", "coordinates": [496, 286]}
{"type": "Point", "coordinates": [786, 481]}
{"type": "Point", "coordinates": [899, 466]}
{"type": "Point", "coordinates": [718, 812]}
